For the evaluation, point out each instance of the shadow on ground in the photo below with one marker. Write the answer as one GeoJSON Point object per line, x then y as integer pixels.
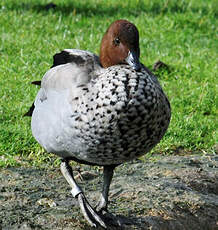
{"type": "Point", "coordinates": [99, 8]}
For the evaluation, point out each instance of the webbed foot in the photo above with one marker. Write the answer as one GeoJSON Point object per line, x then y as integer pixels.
{"type": "Point", "coordinates": [89, 213]}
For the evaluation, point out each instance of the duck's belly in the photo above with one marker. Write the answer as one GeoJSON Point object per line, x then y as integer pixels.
{"type": "Point", "coordinates": [122, 136]}
{"type": "Point", "coordinates": [116, 122]}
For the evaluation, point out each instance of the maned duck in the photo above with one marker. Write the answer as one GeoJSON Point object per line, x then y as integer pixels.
{"type": "Point", "coordinates": [100, 111]}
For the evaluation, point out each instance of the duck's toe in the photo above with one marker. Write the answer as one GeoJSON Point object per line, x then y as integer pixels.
{"type": "Point", "coordinates": [89, 213]}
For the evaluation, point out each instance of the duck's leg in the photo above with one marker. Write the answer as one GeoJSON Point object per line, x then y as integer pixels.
{"type": "Point", "coordinates": [103, 201]}
{"type": "Point", "coordinates": [91, 216]}
{"type": "Point", "coordinates": [107, 178]}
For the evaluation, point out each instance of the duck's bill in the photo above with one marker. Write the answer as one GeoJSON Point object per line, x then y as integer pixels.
{"type": "Point", "coordinates": [133, 60]}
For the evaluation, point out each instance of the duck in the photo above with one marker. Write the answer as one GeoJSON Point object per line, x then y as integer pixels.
{"type": "Point", "coordinates": [100, 110]}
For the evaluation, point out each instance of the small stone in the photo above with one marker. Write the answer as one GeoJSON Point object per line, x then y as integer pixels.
{"type": "Point", "coordinates": [46, 202]}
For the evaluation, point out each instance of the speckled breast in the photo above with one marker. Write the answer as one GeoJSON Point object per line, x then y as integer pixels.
{"type": "Point", "coordinates": [126, 113]}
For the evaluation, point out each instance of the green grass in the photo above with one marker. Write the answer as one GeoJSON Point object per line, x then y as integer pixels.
{"type": "Point", "coordinates": [183, 34]}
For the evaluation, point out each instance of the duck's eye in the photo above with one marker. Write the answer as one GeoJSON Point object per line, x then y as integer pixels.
{"type": "Point", "coordinates": [116, 41]}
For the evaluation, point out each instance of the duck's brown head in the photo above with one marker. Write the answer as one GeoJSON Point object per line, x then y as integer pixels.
{"type": "Point", "coordinates": [120, 45]}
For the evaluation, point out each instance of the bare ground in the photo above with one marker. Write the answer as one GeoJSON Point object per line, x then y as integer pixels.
{"type": "Point", "coordinates": [172, 193]}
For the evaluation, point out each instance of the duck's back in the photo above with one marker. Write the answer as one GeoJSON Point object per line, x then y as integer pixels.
{"type": "Point", "coordinates": [101, 116]}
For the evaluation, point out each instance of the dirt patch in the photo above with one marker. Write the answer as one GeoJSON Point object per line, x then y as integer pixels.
{"type": "Point", "coordinates": [178, 192]}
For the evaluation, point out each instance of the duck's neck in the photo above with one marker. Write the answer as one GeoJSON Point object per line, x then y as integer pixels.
{"type": "Point", "coordinates": [104, 55]}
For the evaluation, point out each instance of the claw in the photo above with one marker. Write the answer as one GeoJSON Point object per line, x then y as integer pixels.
{"type": "Point", "coordinates": [90, 215]}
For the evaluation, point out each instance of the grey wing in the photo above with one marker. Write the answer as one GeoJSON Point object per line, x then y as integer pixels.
{"type": "Point", "coordinates": [55, 104]}
{"type": "Point", "coordinates": [83, 59]}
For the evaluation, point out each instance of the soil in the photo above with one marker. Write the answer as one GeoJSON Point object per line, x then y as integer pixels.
{"type": "Point", "coordinates": [168, 192]}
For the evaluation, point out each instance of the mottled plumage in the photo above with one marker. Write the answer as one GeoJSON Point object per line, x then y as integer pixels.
{"type": "Point", "coordinates": [102, 116]}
